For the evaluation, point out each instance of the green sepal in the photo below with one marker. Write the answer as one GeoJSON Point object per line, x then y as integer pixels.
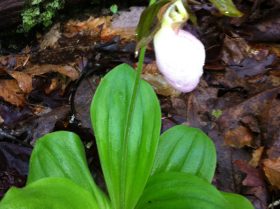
{"type": "Point", "coordinates": [126, 149]}
{"type": "Point", "coordinates": [149, 23]}
{"type": "Point", "coordinates": [186, 149]}
{"type": "Point", "coordinates": [49, 193]}
{"type": "Point", "coordinates": [61, 154]}
{"type": "Point", "coordinates": [178, 190]}
{"type": "Point", "coordinates": [226, 7]}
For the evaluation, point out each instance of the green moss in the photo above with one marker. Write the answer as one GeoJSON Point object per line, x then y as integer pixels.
{"type": "Point", "coordinates": [40, 12]}
{"type": "Point", "coordinates": [216, 113]}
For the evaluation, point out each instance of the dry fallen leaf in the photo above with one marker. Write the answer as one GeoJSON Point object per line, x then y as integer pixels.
{"type": "Point", "coordinates": [256, 157]}
{"type": "Point", "coordinates": [91, 25]}
{"type": "Point", "coordinates": [10, 92]}
{"type": "Point", "coordinates": [158, 82]}
{"type": "Point", "coordinates": [66, 70]}
{"type": "Point", "coordinates": [271, 169]}
{"type": "Point", "coordinates": [24, 81]}
{"type": "Point", "coordinates": [51, 38]}
{"type": "Point", "coordinates": [235, 49]}
{"type": "Point", "coordinates": [53, 86]}
{"type": "Point", "coordinates": [238, 137]}
{"type": "Point", "coordinates": [254, 177]}
{"type": "Point", "coordinates": [1, 120]}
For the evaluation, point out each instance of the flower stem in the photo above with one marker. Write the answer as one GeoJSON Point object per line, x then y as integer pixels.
{"type": "Point", "coordinates": [136, 85]}
{"type": "Point", "coordinates": [129, 120]}
{"type": "Point", "coordinates": [152, 2]}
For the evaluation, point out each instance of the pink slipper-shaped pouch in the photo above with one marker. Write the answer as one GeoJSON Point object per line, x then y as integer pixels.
{"type": "Point", "coordinates": [180, 57]}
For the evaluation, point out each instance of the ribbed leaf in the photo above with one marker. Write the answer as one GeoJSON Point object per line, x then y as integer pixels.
{"type": "Point", "coordinates": [181, 191]}
{"type": "Point", "coordinates": [237, 201]}
{"type": "Point", "coordinates": [61, 154]}
{"type": "Point", "coordinates": [126, 150]}
{"type": "Point", "coordinates": [186, 149]}
{"type": "Point", "coordinates": [226, 7]}
{"type": "Point", "coordinates": [49, 193]}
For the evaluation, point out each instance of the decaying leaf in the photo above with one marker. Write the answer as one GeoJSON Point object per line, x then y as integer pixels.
{"type": "Point", "coordinates": [24, 81]}
{"type": "Point", "coordinates": [160, 85]}
{"type": "Point", "coordinates": [232, 118]}
{"type": "Point", "coordinates": [1, 120]}
{"type": "Point", "coordinates": [256, 157]}
{"type": "Point", "coordinates": [12, 62]}
{"type": "Point", "coordinates": [235, 49]}
{"type": "Point", "coordinates": [51, 38]}
{"type": "Point", "coordinates": [255, 182]}
{"type": "Point", "coordinates": [93, 25]}
{"type": "Point", "coordinates": [10, 92]}
{"type": "Point", "coordinates": [238, 137]}
{"type": "Point", "coordinates": [66, 70]}
{"type": "Point", "coordinates": [271, 169]}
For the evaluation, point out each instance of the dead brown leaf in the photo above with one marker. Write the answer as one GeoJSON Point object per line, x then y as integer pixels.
{"type": "Point", "coordinates": [1, 120]}
{"type": "Point", "coordinates": [10, 92]}
{"type": "Point", "coordinates": [235, 49]}
{"type": "Point", "coordinates": [238, 137]}
{"type": "Point", "coordinates": [160, 85]}
{"type": "Point", "coordinates": [254, 177]}
{"type": "Point", "coordinates": [256, 157]}
{"type": "Point", "coordinates": [66, 70]}
{"type": "Point", "coordinates": [271, 169]}
{"type": "Point", "coordinates": [53, 86]}
{"type": "Point", "coordinates": [24, 81]}
{"type": "Point", "coordinates": [255, 107]}
{"type": "Point", "coordinates": [51, 38]}
{"type": "Point", "coordinates": [91, 25]}
{"type": "Point", "coordinates": [12, 62]}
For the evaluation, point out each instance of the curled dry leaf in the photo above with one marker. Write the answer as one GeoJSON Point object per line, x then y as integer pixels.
{"type": "Point", "coordinates": [66, 70]}
{"type": "Point", "coordinates": [256, 157]}
{"type": "Point", "coordinates": [50, 39]}
{"type": "Point", "coordinates": [10, 92]}
{"type": "Point", "coordinates": [94, 25]}
{"type": "Point", "coordinates": [160, 85]}
{"type": "Point", "coordinates": [255, 183]}
{"type": "Point", "coordinates": [271, 169]}
{"type": "Point", "coordinates": [239, 137]}
{"type": "Point", "coordinates": [235, 49]}
{"type": "Point", "coordinates": [254, 177]}
{"type": "Point", "coordinates": [24, 81]}
{"type": "Point", "coordinates": [53, 86]}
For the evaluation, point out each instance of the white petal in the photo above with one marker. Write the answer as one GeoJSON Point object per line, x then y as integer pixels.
{"type": "Point", "coordinates": [180, 58]}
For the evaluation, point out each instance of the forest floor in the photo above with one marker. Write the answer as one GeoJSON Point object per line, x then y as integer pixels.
{"type": "Point", "coordinates": [48, 85]}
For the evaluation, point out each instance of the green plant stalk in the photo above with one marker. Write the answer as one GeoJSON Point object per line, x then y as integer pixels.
{"type": "Point", "coordinates": [152, 2]}
{"type": "Point", "coordinates": [130, 115]}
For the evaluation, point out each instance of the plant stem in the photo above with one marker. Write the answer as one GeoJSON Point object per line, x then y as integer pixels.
{"type": "Point", "coordinates": [129, 120]}
{"type": "Point", "coordinates": [152, 2]}
{"type": "Point", "coordinates": [135, 88]}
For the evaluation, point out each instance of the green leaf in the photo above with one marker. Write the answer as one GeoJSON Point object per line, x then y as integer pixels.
{"type": "Point", "coordinates": [114, 8]}
{"type": "Point", "coordinates": [61, 154]}
{"type": "Point", "coordinates": [226, 7]}
{"type": "Point", "coordinates": [148, 23]}
{"type": "Point", "coordinates": [186, 149]}
{"type": "Point", "coordinates": [126, 150]}
{"type": "Point", "coordinates": [49, 193]}
{"type": "Point", "coordinates": [181, 191]}
{"type": "Point", "coordinates": [237, 201]}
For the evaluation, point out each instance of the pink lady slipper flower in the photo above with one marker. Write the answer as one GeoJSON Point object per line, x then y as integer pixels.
{"type": "Point", "coordinates": [179, 55]}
